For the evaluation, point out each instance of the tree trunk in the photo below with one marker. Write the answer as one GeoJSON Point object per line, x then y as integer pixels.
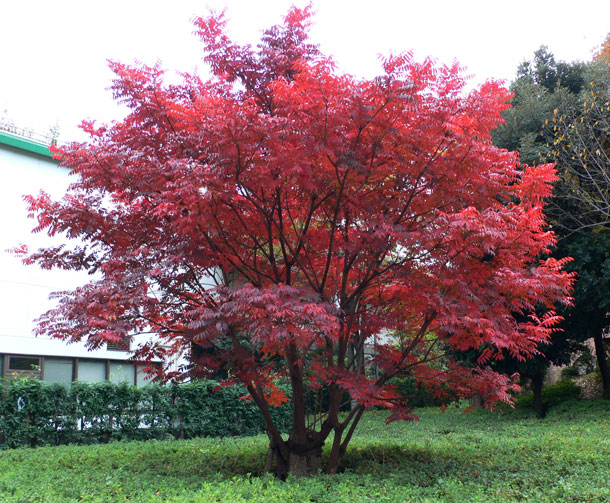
{"type": "Point", "coordinates": [340, 443]}
{"type": "Point", "coordinates": [305, 463]}
{"type": "Point", "coordinates": [356, 355]}
{"type": "Point", "coordinates": [537, 384]}
{"type": "Point", "coordinates": [304, 459]}
{"type": "Point", "coordinates": [600, 353]}
{"type": "Point", "coordinates": [475, 401]}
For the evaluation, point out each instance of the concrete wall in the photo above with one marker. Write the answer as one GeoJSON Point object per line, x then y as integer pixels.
{"type": "Point", "coordinates": [24, 290]}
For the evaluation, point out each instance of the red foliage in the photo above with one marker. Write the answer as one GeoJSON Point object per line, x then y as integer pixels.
{"type": "Point", "coordinates": [603, 53]}
{"type": "Point", "coordinates": [281, 211]}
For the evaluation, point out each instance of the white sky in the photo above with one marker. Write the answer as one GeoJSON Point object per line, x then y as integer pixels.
{"type": "Point", "coordinates": [53, 53]}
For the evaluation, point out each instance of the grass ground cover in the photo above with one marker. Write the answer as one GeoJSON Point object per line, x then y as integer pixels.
{"type": "Point", "coordinates": [446, 457]}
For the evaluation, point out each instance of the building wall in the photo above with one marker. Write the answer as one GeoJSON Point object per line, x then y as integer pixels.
{"type": "Point", "coordinates": [25, 290]}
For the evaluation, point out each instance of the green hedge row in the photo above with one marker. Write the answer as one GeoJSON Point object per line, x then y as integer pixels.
{"type": "Point", "coordinates": [34, 413]}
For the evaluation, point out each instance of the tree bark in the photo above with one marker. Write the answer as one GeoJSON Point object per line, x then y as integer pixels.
{"type": "Point", "coordinates": [537, 384]}
{"type": "Point", "coordinates": [305, 463]}
{"type": "Point", "coordinates": [600, 353]}
{"type": "Point", "coordinates": [336, 453]}
{"type": "Point", "coordinates": [340, 444]}
{"type": "Point", "coordinates": [475, 401]}
{"type": "Point", "coordinates": [304, 459]}
{"type": "Point", "coordinates": [356, 358]}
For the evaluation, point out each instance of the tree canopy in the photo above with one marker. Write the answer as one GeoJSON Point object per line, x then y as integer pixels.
{"type": "Point", "coordinates": [581, 147]}
{"type": "Point", "coordinates": [559, 115]}
{"type": "Point", "coordinates": [275, 214]}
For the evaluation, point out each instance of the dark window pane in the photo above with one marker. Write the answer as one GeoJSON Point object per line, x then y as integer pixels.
{"type": "Point", "coordinates": [23, 363]}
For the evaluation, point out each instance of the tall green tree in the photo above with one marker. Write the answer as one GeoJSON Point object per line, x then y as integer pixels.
{"type": "Point", "coordinates": [578, 137]}
{"type": "Point", "coordinates": [547, 102]}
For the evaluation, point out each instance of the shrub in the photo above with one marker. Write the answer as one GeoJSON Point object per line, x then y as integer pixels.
{"type": "Point", "coordinates": [551, 395]}
{"type": "Point", "coordinates": [569, 372]}
{"type": "Point", "coordinates": [34, 413]}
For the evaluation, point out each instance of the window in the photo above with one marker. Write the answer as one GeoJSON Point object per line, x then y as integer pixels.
{"type": "Point", "coordinates": [91, 370]}
{"type": "Point", "coordinates": [122, 345]}
{"type": "Point", "coordinates": [144, 379]}
{"type": "Point", "coordinates": [122, 372]}
{"type": "Point", "coordinates": [58, 370]}
{"type": "Point", "coordinates": [30, 363]}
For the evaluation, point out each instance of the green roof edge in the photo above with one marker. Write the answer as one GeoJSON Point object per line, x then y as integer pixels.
{"type": "Point", "coordinates": [25, 144]}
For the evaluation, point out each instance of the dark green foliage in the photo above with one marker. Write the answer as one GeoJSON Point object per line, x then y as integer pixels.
{"type": "Point", "coordinates": [588, 317]}
{"type": "Point", "coordinates": [545, 91]}
{"type": "Point", "coordinates": [202, 411]}
{"type": "Point", "coordinates": [591, 253]}
{"type": "Point", "coordinates": [542, 86]}
{"type": "Point", "coordinates": [552, 395]}
{"type": "Point", "coordinates": [446, 457]}
{"type": "Point", "coordinates": [544, 71]}
{"type": "Point", "coordinates": [415, 394]}
{"type": "Point", "coordinates": [569, 372]}
{"type": "Point", "coordinates": [33, 413]}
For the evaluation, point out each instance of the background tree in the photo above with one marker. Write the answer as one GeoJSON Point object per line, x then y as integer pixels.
{"type": "Point", "coordinates": [280, 212]}
{"type": "Point", "coordinates": [542, 85]}
{"type": "Point", "coordinates": [580, 146]}
{"type": "Point", "coordinates": [589, 317]}
{"type": "Point", "coordinates": [546, 124]}
{"type": "Point", "coordinates": [557, 350]}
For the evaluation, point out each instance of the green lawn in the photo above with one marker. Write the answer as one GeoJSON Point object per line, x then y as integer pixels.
{"type": "Point", "coordinates": [446, 457]}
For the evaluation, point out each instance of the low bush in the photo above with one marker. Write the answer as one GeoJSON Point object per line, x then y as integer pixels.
{"type": "Point", "coordinates": [551, 395]}
{"type": "Point", "coordinates": [34, 413]}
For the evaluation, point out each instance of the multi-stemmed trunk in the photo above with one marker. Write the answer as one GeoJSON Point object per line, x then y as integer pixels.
{"type": "Point", "coordinates": [305, 458]}
{"type": "Point", "coordinates": [301, 454]}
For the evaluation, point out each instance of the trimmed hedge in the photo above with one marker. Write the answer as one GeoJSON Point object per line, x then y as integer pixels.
{"type": "Point", "coordinates": [34, 413]}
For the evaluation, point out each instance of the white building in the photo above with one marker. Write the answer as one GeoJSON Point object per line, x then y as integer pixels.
{"type": "Point", "coordinates": [27, 167]}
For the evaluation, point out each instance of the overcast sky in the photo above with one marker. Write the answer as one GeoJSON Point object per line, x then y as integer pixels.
{"type": "Point", "coordinates": [53, 53]}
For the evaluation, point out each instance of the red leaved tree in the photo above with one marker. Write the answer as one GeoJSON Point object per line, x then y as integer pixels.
{"type": "Point", "coordinates": [272, 221]}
